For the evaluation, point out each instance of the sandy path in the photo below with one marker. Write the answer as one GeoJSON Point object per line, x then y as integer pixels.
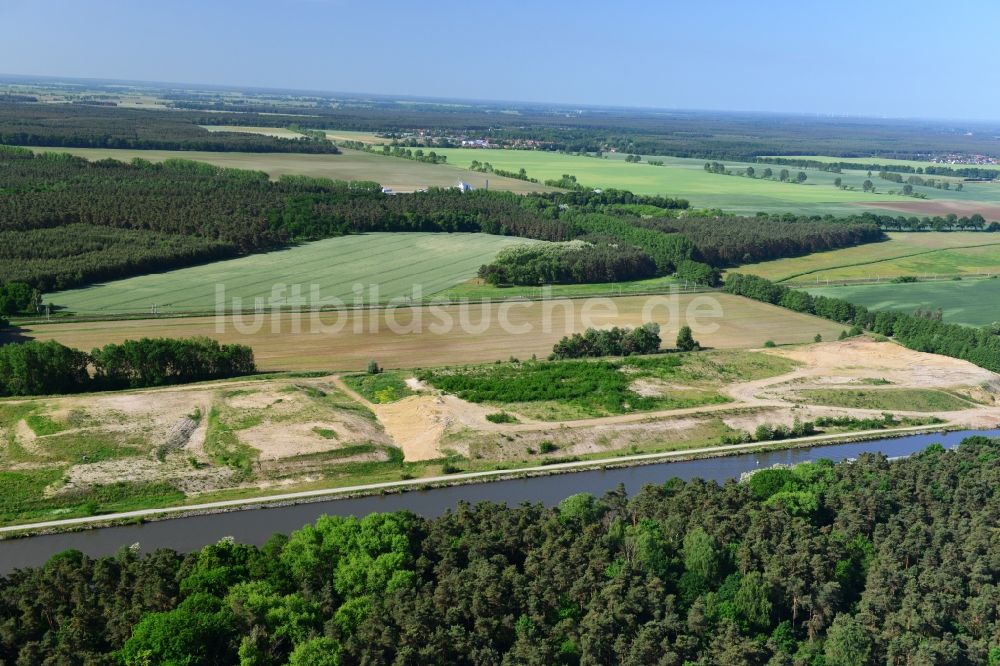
{"type": "Point", "coordinates": [417, 423]}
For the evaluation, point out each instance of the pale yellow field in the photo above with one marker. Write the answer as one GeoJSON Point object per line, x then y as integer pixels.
{"type": "Point", "coordinates": [285, 133]}
{"type": "Point", "coordinates": [289, 341]}
{"type": "Point", "coordinates": [279, 132]}
{"type": "Point", "coordinates": [399, 174]}
{"type": "Point", "coordinates": [348, 135]}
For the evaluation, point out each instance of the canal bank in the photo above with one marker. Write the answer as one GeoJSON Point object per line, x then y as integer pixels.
{"type": "Point", "coordinates": [257, 522]}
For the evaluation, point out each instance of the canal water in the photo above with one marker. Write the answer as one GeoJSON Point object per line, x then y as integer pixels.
{"type": "Point", "coordinates": [255, 525]}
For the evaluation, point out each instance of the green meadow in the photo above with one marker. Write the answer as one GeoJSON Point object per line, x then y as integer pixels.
{"type": "Point", "coordinates": [393, 261]}
{"type": "Point", "coordinates": [680, 177]}
{"type": "Point", "coordinates": [903, 253]}
{"type": "Point", "coordinates": [972, 302]}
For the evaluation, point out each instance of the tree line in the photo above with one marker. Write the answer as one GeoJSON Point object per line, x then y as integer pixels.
{"type": "Point", "coordinates": [486, 167]}
{"type": "Point", "coordinates": [614, 341]}
{"type": "Point", "coordinates": [45, 368]}
{"type": "Point", "coordinates": [88, 126]}
{"type": "Point", "coordinates": [919, 331]}
{"type": "Point", "coordinates": [890, 222]}
{"type": "Point", "coordinates": [144, 216]}
{"type": "Point", "coordinates": [395, 150]}
{"type": "Point", "coordinates": [573, 262]}
{"type": "Point", "coordinates": [861, 562]}
{"type": "Point", "coordinates": [970, 172]}
{"type": "Point", "coordinates": [17, 297]}
{"type": "Point", "coordinates": [731, 240]}
{"type": "Point", "coordinates": [918, 181]}
{"type": "Point", "coordinates": [783, 176]}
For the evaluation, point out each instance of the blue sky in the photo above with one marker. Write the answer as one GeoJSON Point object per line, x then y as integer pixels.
{"type": "Point", "coordinates": [874, 58]}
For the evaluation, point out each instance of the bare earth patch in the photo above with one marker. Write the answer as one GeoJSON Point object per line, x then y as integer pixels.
{"type": "Point", "coordinates": [942, 208]}
{"type": "Point", "coordinates": [176, 471]}
{"type": "Point", "coordinates": [655, 388]}
{"type": "Point", "coordinates": [862, 358]}
{"type": "Point", "coordinates": [415, 384]}
{"type": "Point", "coordinates": [416, 424]}
{"type": "Point", "coordinates": [276, 441]}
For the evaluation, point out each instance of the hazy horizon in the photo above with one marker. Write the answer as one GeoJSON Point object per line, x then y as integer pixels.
{"type": "Point", "coordinates": [849, 59]}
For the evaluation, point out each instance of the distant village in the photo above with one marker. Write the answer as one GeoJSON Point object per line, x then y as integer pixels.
{"type": "Point", "coordinates": [959, 158]}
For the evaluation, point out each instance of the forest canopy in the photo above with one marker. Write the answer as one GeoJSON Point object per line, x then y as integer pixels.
{"type": "Point", "coordinates": [45, 368]}
{"type": "Point", "coordinates": [131, 218]}
{"type": "Point", "coordinates": [88, 126]}
{"type": "Point", "coordinates": [868, 561]}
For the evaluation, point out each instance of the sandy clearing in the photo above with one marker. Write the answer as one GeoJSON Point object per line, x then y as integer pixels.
{"type": "Point", "coordinates": [415, 424]}
{"type": "Point", "coordinates": [655, 388]}
{"type": "Point", "coordinates": [280, 440]}
{"type": "Point", "coordinates": [418, 423]}
{"type": "Point", "coordinates": [847, 363]}
{"type": "Point", "coordinates": [176, 471]}
{"type": "Point", "coordinates": [863, 358]}
{"type": "Point", "coordinates": [415, 384]}
{"type": "Point", "coordinates": [251, 399]}
{"type": "Point", "coordinates": [151, 414]}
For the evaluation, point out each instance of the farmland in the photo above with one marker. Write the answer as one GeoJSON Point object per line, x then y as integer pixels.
{"type": "Point", "coordinates": [874, 161]}
{"type": "Point", "coordinates": [398, 174]}
{"type": "Point", "coordinates": [972, 302]}
{"type": "Point", "coordinates": [443, 335]}
{"type": "Point", "coordinates": [279, 132]}
{"type": "Point", "coordinates": [285, 133]}
{"type": "Point", "coordinates": [905, 253]}
{"type": "Point", "coordinates": [395, 262]}
{"type": "Point", "coordinates": [678, 177]}
{"type": "Point", "coordinates": [681, 177]}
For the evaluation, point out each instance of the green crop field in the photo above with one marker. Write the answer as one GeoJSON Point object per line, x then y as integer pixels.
{"type": "Point", "coordinates": [685, 178]}
{"type": "Point", "coordinates": [973, 302]}
{"type": "Point", "coordinates": [393, 261]}
{"type": "Point", "coordinates": [678, 177]}
{"type": "Point", "coordinates": [917, 253]}
{"type": "Point", "coordinates": [399, 174]}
